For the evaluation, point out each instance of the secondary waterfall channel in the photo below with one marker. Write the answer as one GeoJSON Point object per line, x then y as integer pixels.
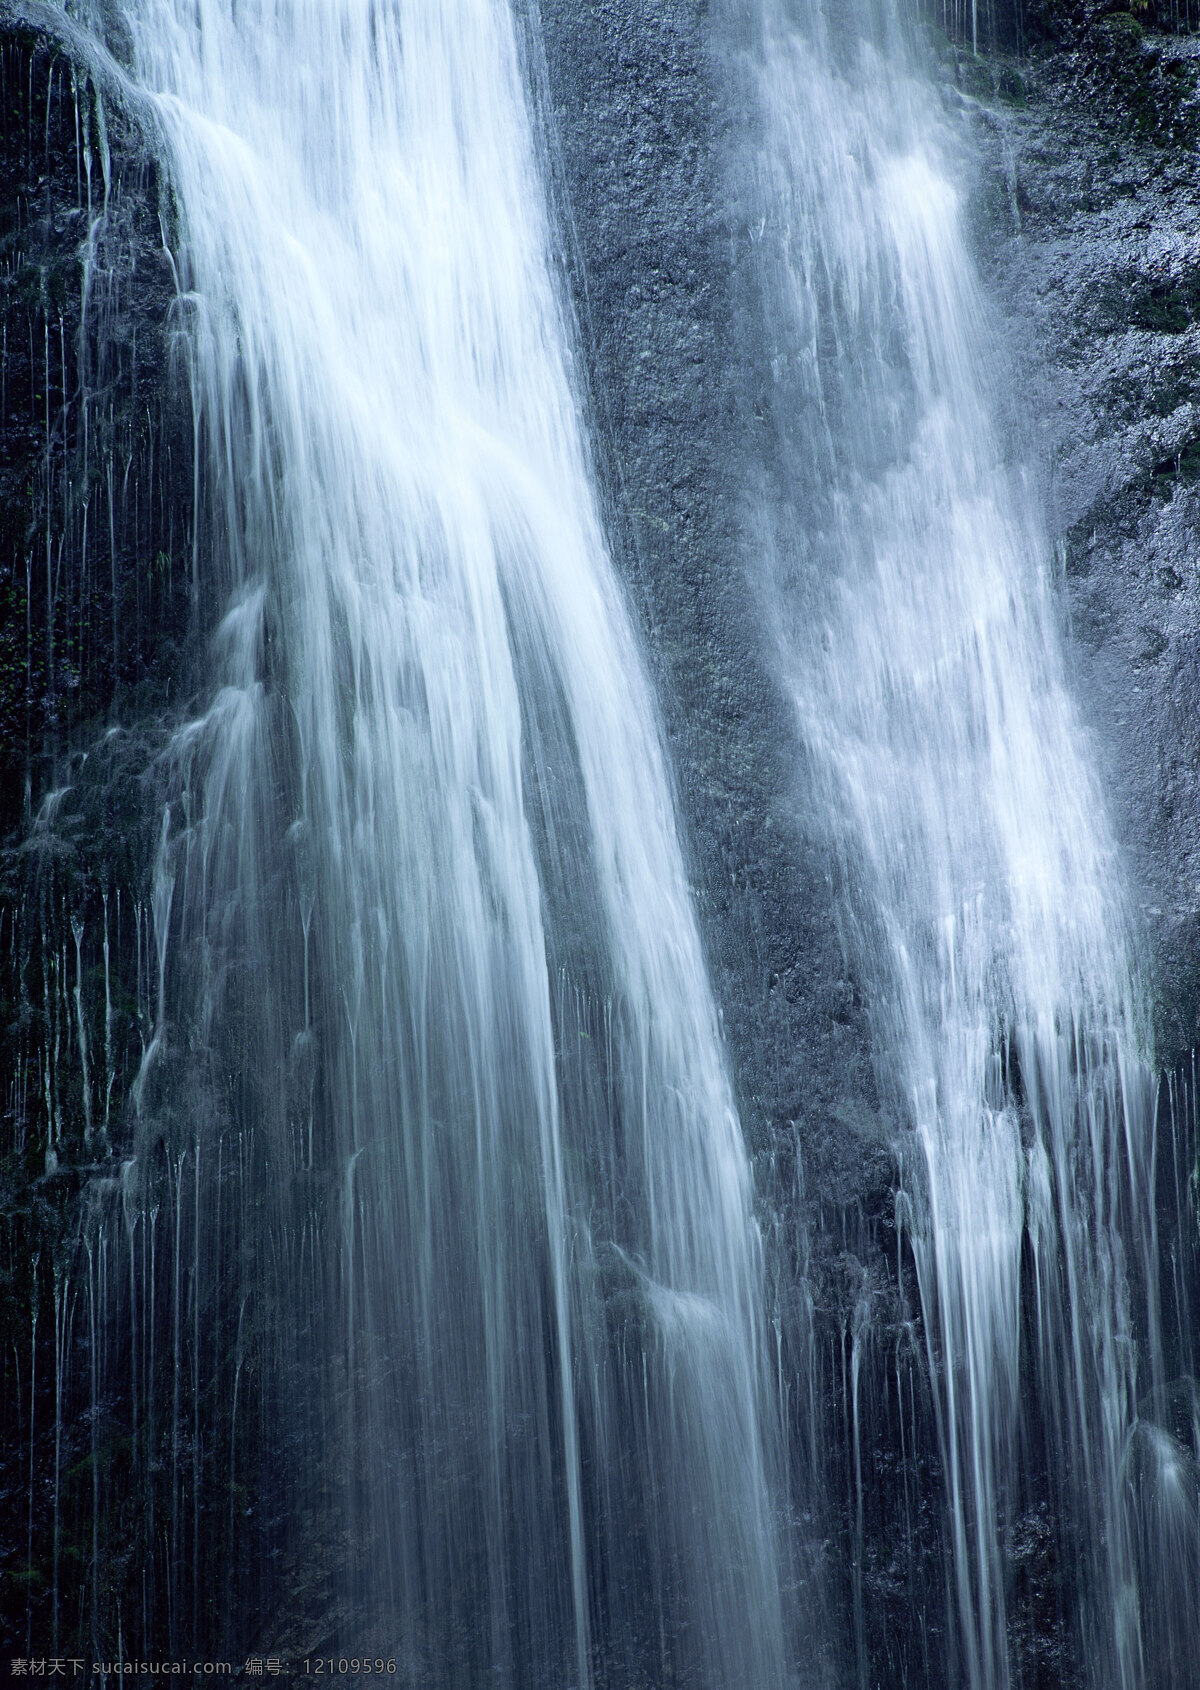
{"type": "Point", "coordinates": [986, 907]}
{"type": "Point", "coordinates": [425, 1315]}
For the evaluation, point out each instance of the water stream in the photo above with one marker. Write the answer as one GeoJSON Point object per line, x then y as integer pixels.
{"type": "Point", "coordinates": [407, 1299]}
{"type": "Point", "coordinates": [985, 906]}
{"type": "Point", "coordinates": [434, 1075]}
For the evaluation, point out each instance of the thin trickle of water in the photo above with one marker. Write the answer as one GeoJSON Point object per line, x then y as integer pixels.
{"type": "Point", "coordinates": [986, 903]}
{"type": "Point", "coordinates": [420, 931]}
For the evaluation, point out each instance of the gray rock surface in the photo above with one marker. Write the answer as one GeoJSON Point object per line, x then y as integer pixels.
{"type": "Point", "coordinates": [1088, 227]}
{"type": "Point", "coordinates": [675, 366]}
{"type": "Point", "coordinates": [641, 106]}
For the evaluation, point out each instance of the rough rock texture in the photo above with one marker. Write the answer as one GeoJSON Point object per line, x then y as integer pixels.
{"type": "Point", "coordinates": [1083, 208]}
{"type": "Point", "coordinates": [638, 115]}
{"type": "Point", "coordinates": [1089, 224]}
{"type": "Point", "coordinates": [641, 106]}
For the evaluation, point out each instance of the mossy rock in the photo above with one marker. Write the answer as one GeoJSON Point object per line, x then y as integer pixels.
{"type": "Point", "coordinates": [1183, 467]}
{"type": "Point", "coordinates": [1122, 26]}
{"type": "Point", "coordinates": [1010, 86]}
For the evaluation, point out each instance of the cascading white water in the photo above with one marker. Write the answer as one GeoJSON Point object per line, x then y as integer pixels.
{"type": "Point", "coordinates": [919, 639]}
{"type": "Point", "coordinates": [507, 1203]}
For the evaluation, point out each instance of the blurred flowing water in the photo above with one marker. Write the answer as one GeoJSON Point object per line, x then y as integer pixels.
{"type": "Point", "coordinates": [985, 906]}
{"type": "Point", "coordinates": [439, 1177]}
{"type": "Point", "coordinates": [407, 1297]}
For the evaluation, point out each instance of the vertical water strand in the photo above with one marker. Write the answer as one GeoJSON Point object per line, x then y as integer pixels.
{"type": "Point", "coordinates": [427, 783]}
{"type": "Point", "coordinates": [919, 640]}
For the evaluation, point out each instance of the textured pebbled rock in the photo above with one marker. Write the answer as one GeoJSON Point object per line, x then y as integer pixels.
{"type": "Point", "coordinates": [641, 111]}
{"type": "Point", "coordinates": [638, 112]}
{"type": "Point", "coordinates": [1089, 226]}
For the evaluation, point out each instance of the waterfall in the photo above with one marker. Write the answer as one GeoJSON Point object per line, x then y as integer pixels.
{"type": "Point", "coordinates": [445, 1257]}
{"type": "Point", "coordinates": [913, 593]}
{"type": "Point", "coordinates": [383, 1269]}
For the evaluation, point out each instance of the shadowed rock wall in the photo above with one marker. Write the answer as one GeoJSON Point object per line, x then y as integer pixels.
{"type": "Point", "coordinates": [95, 607]}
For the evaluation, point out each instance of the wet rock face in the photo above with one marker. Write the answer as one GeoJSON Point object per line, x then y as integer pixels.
{"type": "Point", "coordinates": [1089, 225]}
{"type": "Point", "coordinates": [641, 107]}
{"type": "Point", "coordinates": [95, 591]}
{"type": "Point", "coordinates": [95, 566]}
{"type": "Point", "coordinates": [677, 371]}
{"type": "Point", "coordinates": [1083, 211]}
{"type": "Point", "coordinates": [95, 579]}
{"type": "Point", "coordinates": [95, 434]}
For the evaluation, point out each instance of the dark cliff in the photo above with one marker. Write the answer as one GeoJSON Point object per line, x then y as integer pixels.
{"type": "Point", "coordinates": [95, 611]}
